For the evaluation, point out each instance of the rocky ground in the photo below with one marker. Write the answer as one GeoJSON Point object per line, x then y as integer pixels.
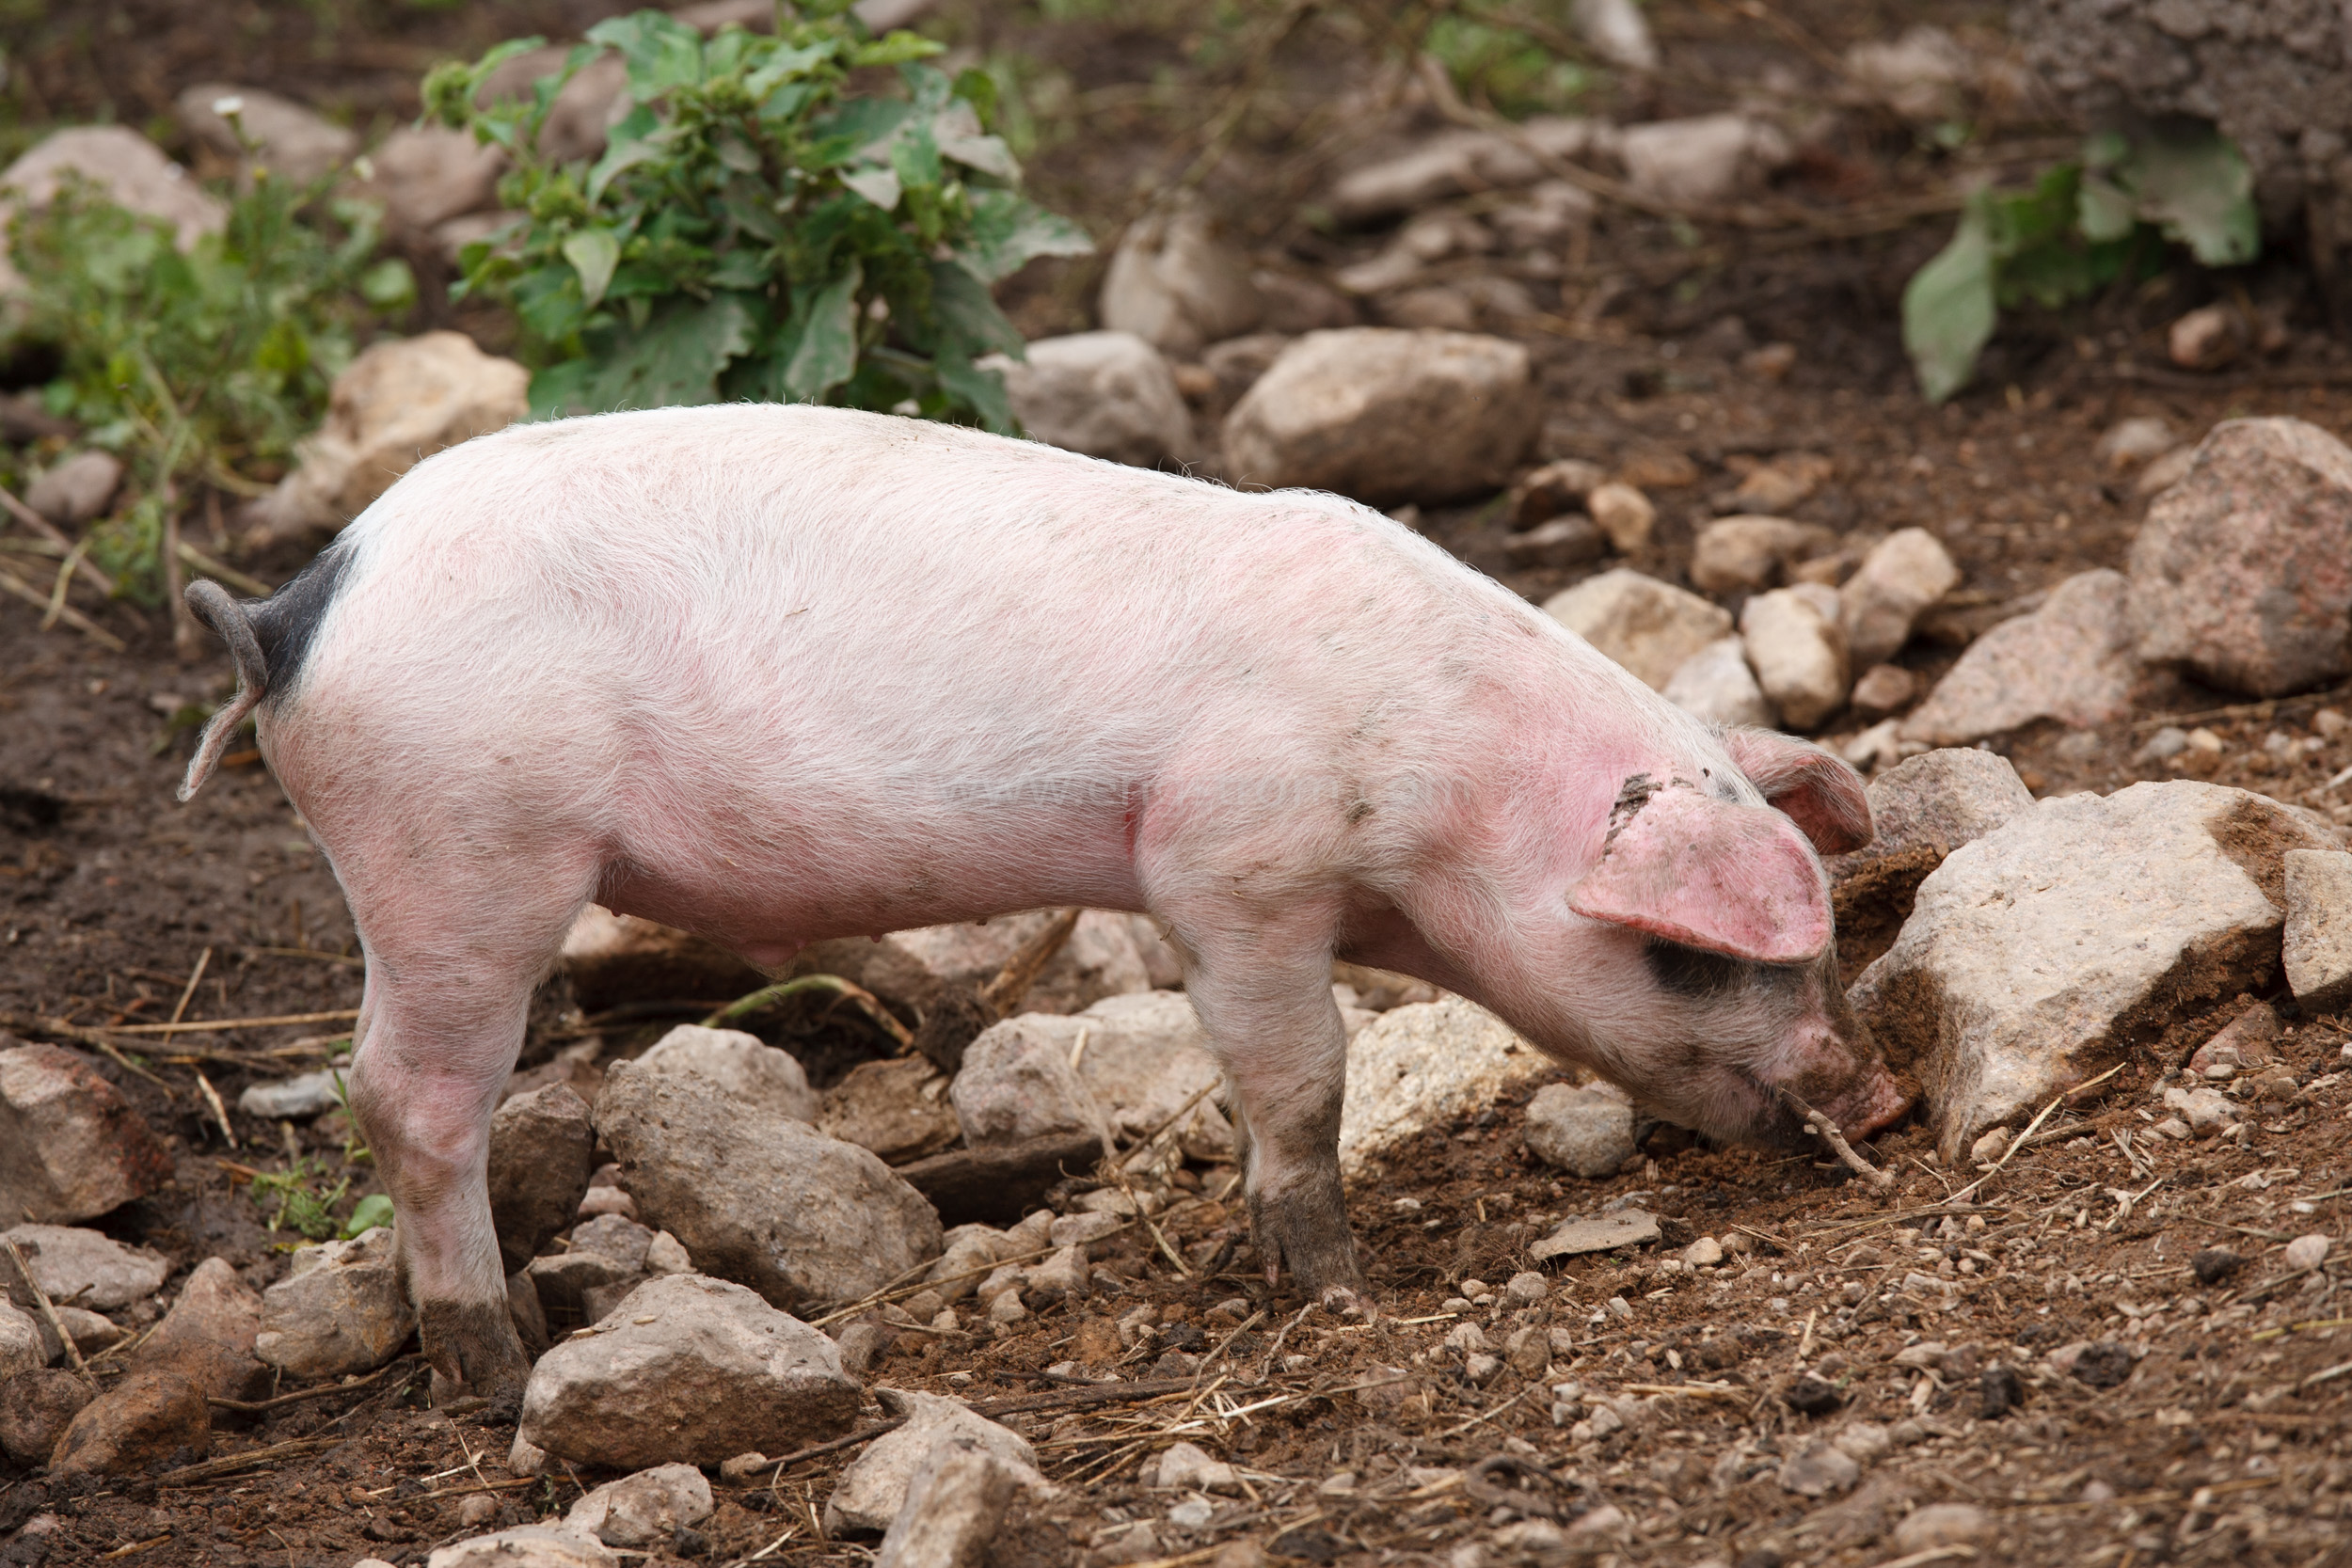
{"type": "Point", "coordinates": [2092, 1314]}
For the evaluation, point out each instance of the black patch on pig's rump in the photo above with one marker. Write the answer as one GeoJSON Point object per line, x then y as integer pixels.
{"type": "Point", "coordinates": [287, 623]}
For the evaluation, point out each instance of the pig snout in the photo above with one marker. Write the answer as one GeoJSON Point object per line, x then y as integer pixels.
{"type": "Point", "coordinates": [1843, 1077]}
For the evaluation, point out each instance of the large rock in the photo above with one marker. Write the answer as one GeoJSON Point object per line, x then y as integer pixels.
{"type": "Point", "coordinates": [23, 1346]}
{"type": "Point", "coordinates": [71, 1147]}
{"type": "Point", "coordinates": [1422, 1065]}
{"type": "Point", "coordinates": [758, 1198]}
{"type": "Point", "coordinates": [1107, 394]}
{"type": "Point", "coordinates": [1743, 554]}
{"type": "Point", "coordinates": [542, 1152]}
{"type": "Point", "coordinates": [426, 175]}
{"type": "Point", "coordinates": [397, 404]}
{"type": "Point", "coordinates": [712, 1371]}
{"type": "Point", "coordinates": [1651, 627]}
{"type": "Point", "coordinates": [1922, 809]}
{"type": "Point", "coordinates": [1904, 572]}
{"type": "Point", "coordinates": [208, 1335]}
{"type": "Point", "coordinates": [897, 1107]}
{"type": "Point", "coordinates": [2318, 937]}
{"type": "Point", "coordinates": [1453, 162]}
{"type": "Point", "coordinates": [1716, 685]}
{"type": "Point", "coordinates": [611, 958]}
{"type": "Point", "coordinates": [1798, 653]}
{"type": "Point", "coordinates": [294, 142]}
{"type": "Point", "coordinates": [130, 171]}
{"type": "Point", "coordinates": [869, 1495]}
{"type": "Point", "coordinates": [1586, 1130]}
{"type": "Point", "coordinates": [1327, 415]}
{"type": "Point", "coordinates": [1145, 1056]}
{"type": "Point", "coordinates": [2242, 570]}
{"type": "Point", "coordinates": [954, 1507]}
{"type": "Point", "coordinates": [69, 493]}
{"type": "Point", "coordinates": [645, 1509]}
{"type": "Point", "coordinates": [525, 1547]}
{"type": "Point", "coordinates": [1174, 284]}
{"type": "Point", "coordinates": [84, 1268]}
{"type": "Point", "coordinates": [342, 1309]}
{"type": "Point", "coordinates": [1016, 1084]}
{"type": "Point", "coordinates": [2040, 954]}
{"type": "Point", "coordinates": [145, 1418]}
{"type": "Point", "coordinates": [746, 1067]}
{"type": "Point", "coordinates": [2071, 660]}
{"type": "Point", "coordinates": [36, 1407]}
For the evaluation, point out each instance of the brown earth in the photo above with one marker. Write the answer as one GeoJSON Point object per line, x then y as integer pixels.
{"type": "Point", "coordinates": [2224, 1442]}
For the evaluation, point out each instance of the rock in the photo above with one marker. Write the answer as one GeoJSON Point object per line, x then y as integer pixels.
{"type": "Point", "coordinates": [1146, 1055]}
{"type": "Point", "coordinates": [1421, 1066]}
{"type": "Point", "coordinates": [145, 1418]}
{"type": "Point", "coordinates": [953, 1508]}
{"type": "Point", "coordinates": [298, 1099]}
{"type": "Point", "coordinates": [758, 1198]}
{"type": "Point", "coordinates": [1561, 542]}
{"type": "Point", "coordinates": [1798, 653]}
{"type": "Point", "coordinates": [742, 1064]}
{"type": "Point", "coordinates": [2038, 954]}
{"type": "Point", "coordinates": [1651, 627]}
{"type": "Point", "coordinates": [1818, 1468]}
{"type": "Point", "coordinates": [1574, 1237]}
{"type": "Point", "coordinates": [2131, 442]}
{"type": "Point", "coordinates": [526, 1546]}
{"type": "Point", "coordinates": [1017, 1085]}
{"type": "Point", "coordinates": [1557, 487]}
{"type": "Point", "coordinates": [1624, 514]}
{"type": "Point", "coordinates": [1881, 746]}
{"type": "Point", "coordinates": [1922, 76]}
{"type": "Point", "coordinates": [643, 1510]}
{"type": "Point", "coordinates": [1455, 162]}
{"type": "Point", "coordinates": [897, 1107]}
{"type": "Point", "coordinates": [1548, 213]}
{"type": "Point", "coordinates": [294, 143]}
{"type": "Point", "coordinates": [1184, 1466]}
{"type": "Point", "coordinates": [2247, 1040]}
{"type": "Point", "coordinates": [2103, 1364]}
{"type": "Point", "coordinates": [1716, 683]}
{"type": "Point", "coordinates": [874, 1487]}
{"type": "Point", "coordinates": [1172, 283]}
{"type": "Point", "coordinates": [342, 1309]}
{"type": "Point", "coordinates": [2306, 1252]}
{"type": "Point", "coordinates": [1743, 554]}
{"type": "Point", "coordinates": [129, 170]}
{"type": "Point", "coordinates": [37, 1404]}
{"type": "Point", "coordinates": [1940, 1525]}
{"type": "Point", "coordinates": [1936, 803]}
{"type": "Point", "coordinates": [1064, 1276]}
{"type": "Point", "coordinates": [1990, 1147]}
{"type": "Point", "coordinates": [208, 1335]}
{"type": "Point", "coordinates": [1588, 1130]}
{"type": "Point", "coordinates": [397, 404]}
{"type": "Point", "coordinates": [2206, 1111]}
{"type": "Point", "coordinates": [2071, 661]}
{"type": "Point", "coordinates": [426, 175]}
{"type": "Point", "coordinates": [1863, 1442]}
{"type": "Point", "coordinates": [2242, 570]}
{"type": "Point", "coordinates": [2318, 935]}
{"type": "Point", "coordinates": [71, 1147]}
{"type": "Point", "coordinates": [1107, 394]}
{"type": "Point", "coordinates": [542, 1151]}
{"type": "Point", "coordinates": [1813, 1395]}
{"type": "Point", "coordinates": [1883, 688]}
{"type": "Point", "coordinates": [2212, 1265]}
{"type": "Point", "coordinates": [1784, 482]}
{"type": "Point", "coordinates": [1618, 32]}
{"type": "Point", "coordinates": [88, 1269]}
{"type": "Point", "coordinates": [90, 1332]}
{"type": "Point", "coordinates": [1904, 572]}
{"type": "Point", "coordinates": [1701, 159]}
{"type": "Point", "coordinates": [611, 958]}
{"type": "Point", "coordinates": [562, 1283]}
{"type": "Point", "coordinates": [714, 1371]}
{"type": "Point", "coordinates": [1103, 958]}
{"type": "Point", "coordinates": [72, 492]}
{"type": "Point", "coordinates": [24, 1346]}
{"type": "Point", "coordinates": [600, 1201]}
{"type": "Point", "coordinates": [2207, 338]}
{"type": "Point", "coordinates": [1326, 415]}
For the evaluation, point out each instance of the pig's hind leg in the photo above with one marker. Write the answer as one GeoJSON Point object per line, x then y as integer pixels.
{"type": "Point", "coordinates": [450, 971]}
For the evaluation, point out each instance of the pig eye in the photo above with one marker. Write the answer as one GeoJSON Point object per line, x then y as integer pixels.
{"type": "Point", "coordinates": [1694, 972]}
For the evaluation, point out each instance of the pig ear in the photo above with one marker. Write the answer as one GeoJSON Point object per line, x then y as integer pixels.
{"type": "Point", "coordinates": [1732, 880]}
{"type": "Point", "coordinates": [1821, 793]}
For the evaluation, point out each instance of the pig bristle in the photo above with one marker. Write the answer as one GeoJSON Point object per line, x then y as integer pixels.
{"type": "Point", "coordinates": [210, 603]}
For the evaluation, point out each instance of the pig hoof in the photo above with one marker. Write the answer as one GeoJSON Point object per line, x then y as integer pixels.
{"type": "Point", "coordinates": [473, 1349]}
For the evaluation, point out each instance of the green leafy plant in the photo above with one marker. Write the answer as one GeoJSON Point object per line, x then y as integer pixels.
{"type": "Point", "coordinates": [370, 1211]}
{"type": "Point", "coordinates": [203, 367]}
{"type": "Point", "coordinates": [1496, 61]}
{"type": "Point", "coordinates": [302, 1207]}
{"type": "Point", "coordinates": [2079, 228]}
{"type": "Point", "coordinates": [757, 229]}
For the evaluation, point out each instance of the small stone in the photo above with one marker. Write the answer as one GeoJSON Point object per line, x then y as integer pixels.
{"type": "Point", "coordinates": [70, 1148]}
{"type": "Point", "coordinates": [2214, 1264]}
{"type": "Point", "coordinates": [1557, 487]}
{"type": "Point", "coordinates": [342, 1309]}
{"type": "Point", "coordinates": [1863, 1442]}
{"type": "Point", "coordinates": [1421, 1066]}
{"type": "Point", "coordinates": [477, 1510]}
{"type": "Point", "coordinates": [1526, 1289]}
{"type": "Point", "coordinates": [88, 1268]}
{"type": "Point", "coordinates": [1107, 394]}
{"type": "Point", "coordinates": [645, 1509]}
{"type": "Point", "coordinates": [130, 172]}
{"type": "Point", "coordinates": [1813, 1396]}
{"type": "Point", "coordinates": [1940, 1525]}
{"type": "Point", "coordinates": [145, 1418]}
{"type": "Point", "coordinates": [1624, 514]}
{"type": "Point", "coordinates": [299, 1099]}
{"type": "Point", "coordinates": [1904, 572]}
{"type": "Point", "coordinates": [1929, 805]}
{"type": "Point", "coordinates": [1186, 1468]}
{"type": "Point", "coordinates": [1588, 1130]}
{"type": "Point", "coordinates": [1562, 542]}
{"type": "Point", "coordinates": [1063, 1276]}
{"type": "Point", "coordinates": [2318, 935]}
{"type": "Point", "coordinates": [2000, 1389]}
{"type": "Point", "coordinates": [1744, 554]}
{"type": "Point", "coordinates": [747, 1067]}
{"type": "Point", "coordinates": [1572, 1238]}
{"type": "Point", "coordinates": [665, 1254]}
{"type": "Point", "coordinates": [1818, 1469]}
{"type": "Point", "coordinates": [1798, 653]}
{"type": "Point", "coordinates": [2206, 1111]}
{"type": "Point", "coordinates": [528, 1546]}
{"type": "Point", "coordinates": [208, 1335]}
{"type": "Point", "coordinates": [1455, 161]}
{"type": "Point", "coordinates": [1007, 1309]}
{"type": "Point", "coordinates": [954, 1507]}
{"type": "Point", "coordinates": [542, 1150]}
{"type": "Point", "coordinates": [744, 1466]}
{"type": "Point", "coordinates": [24, 1341]}
{"type": "Point", "coordinates": [1174, 285]}
{"type": "Point", "coordinates": [2133, 441]}
{"type": "Point", "coordinates": [874, 1487]}
{"type": "Point", "coordinates": [1884, 688]}
{"type": "Point", "coordinates": [72, 492]}
{"type": "Point", "coordinates": [1650, 628]}
{"type": "Point", "coordinates": [426, 175]}
{"type": "Point", "coordinates": [2306, 1252]}
{"type": "Point", "coordinates": [2163, 746]}
{"type": "Point", "coordinates": [1785, 482]}
{"type": "Point", "coordinates": [1701, 159]}
{"type": "Point", "coordinates": [1715, 684]}
{"type": "Point", "coordinates": [1703, 1253]}
{"type": "Point", "coordinates": [36, 1407]}
{"type": "Point", "coordinates": [1990, 1147]}
{"type": "Point", "coordinates": [1481, 1367]}
{"type": "Point", "coordinates": [601, 1201]}
{"type": "Point", "coordinates": [2104, 1364]}
{"type": "Point", "coordinates": [1528, 1351]}
{"type": "Point", "coordinates": [1017, 1084]}
{"type": "Point", "coordinates": [2207, 338]}
{"type": "Point", "coordinates": [2073, 660]}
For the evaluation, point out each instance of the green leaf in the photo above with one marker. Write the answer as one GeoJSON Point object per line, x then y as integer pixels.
{"type": "Point", "coordinates": [2199, 190]}
{"type": "Point", "coordinates": [2104, 210]}
{"type": "Point", "coordinates": [1949, 308]}
{"type": "Point", "coordinates": [981, 390]}
{"type": "Point", "coordinates": [897, 48]}
{"type": "Point", "coordinates": [624, 152]}
{"type": "Point", "coordinates": [367, 1215]}
{"type": "Point", "coordinates": [915, 156]}
{"type": "Point", "coordinates": [968, 317]}
{"type": "Point", "coordinates": [878, 186]}
{"type": "Point", "coordinates": [827, 354]}
{"type": "Point", "coordinates": [659, 51]}
{"type": "Point", "coordinates": [786, 64]}
{"type": "Point", "coordinates": [1009, 232]}
{"type": "Point", "coordinates": [593, 253]}
{"type": "Point", "coordinates": [388, 285]}
{"type": "Point", "coordinates": [674, 360]}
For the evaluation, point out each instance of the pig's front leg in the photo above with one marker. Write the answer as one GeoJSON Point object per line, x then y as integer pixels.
{"type": "Point", "coordinates": [1264, 997]}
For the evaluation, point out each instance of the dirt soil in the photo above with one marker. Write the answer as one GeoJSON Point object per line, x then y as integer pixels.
{"type": "Point", "coordinates": [2215, 1434]}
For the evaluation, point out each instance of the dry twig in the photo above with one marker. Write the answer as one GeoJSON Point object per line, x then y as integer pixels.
{"type": "Point", "coordinates": [1826, 1130]}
